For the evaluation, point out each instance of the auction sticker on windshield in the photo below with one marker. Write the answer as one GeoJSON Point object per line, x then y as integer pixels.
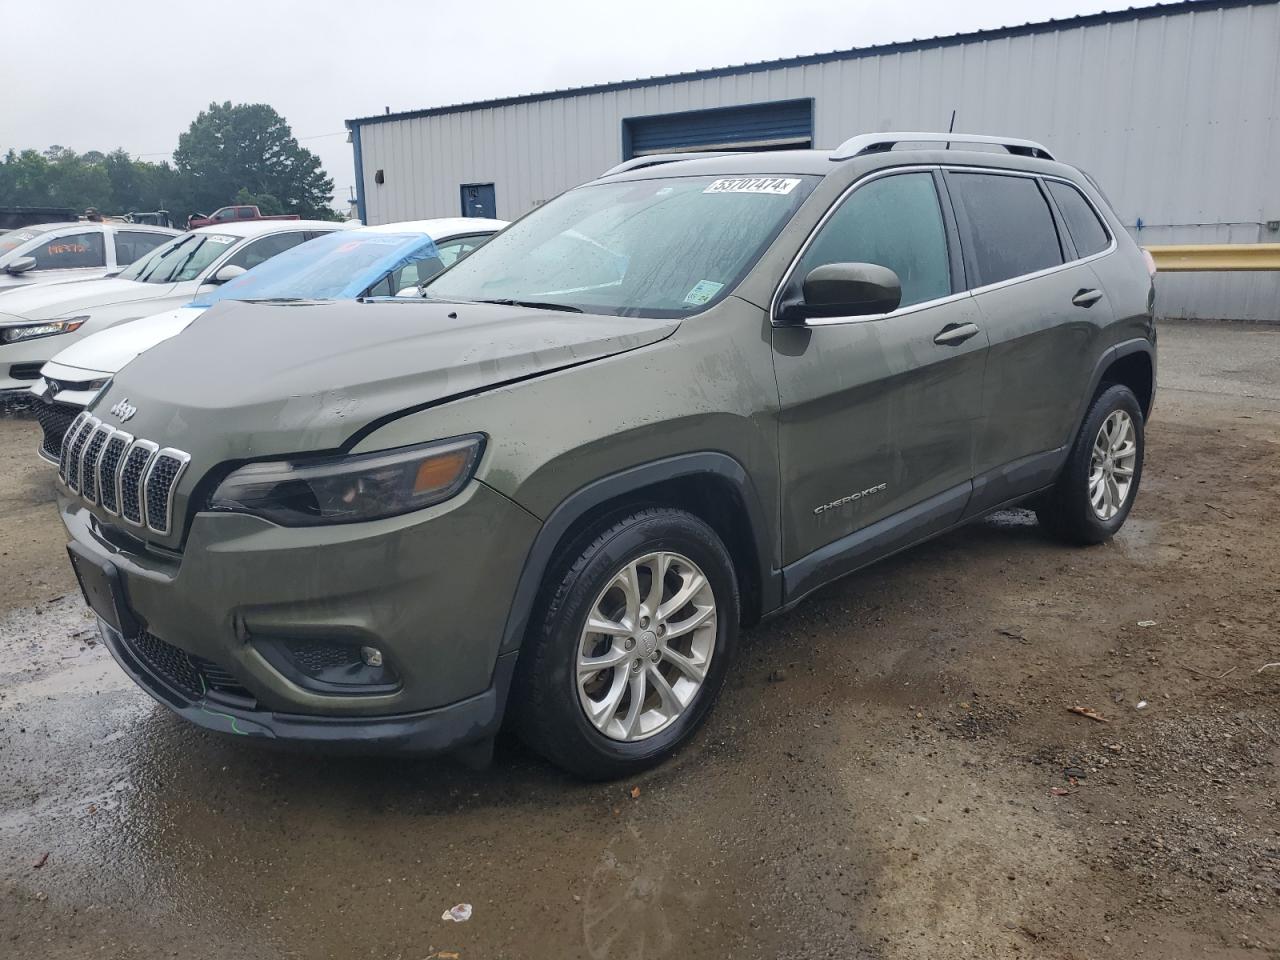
{"type": "Point", "coordinates": [220, 238]}
{"type": "Point", "coordinates": [702, 292]}
{"type": "Point", "coordinates": [774, 185]}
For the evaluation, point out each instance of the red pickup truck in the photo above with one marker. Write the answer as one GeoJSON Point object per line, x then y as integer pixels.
{"type": "Point", "coordinates": [241, 211]}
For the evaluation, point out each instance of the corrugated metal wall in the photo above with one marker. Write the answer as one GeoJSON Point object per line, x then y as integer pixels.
{"type": "Point", "coordinates": [1175, 115]}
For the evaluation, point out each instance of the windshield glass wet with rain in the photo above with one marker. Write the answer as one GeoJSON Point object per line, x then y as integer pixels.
{"type": "Point", "coordinates": [182, 258]}
{"type": "Point", "coordinates": [11, 241]}
{"type": "Point", "coordinates": [666, 247]}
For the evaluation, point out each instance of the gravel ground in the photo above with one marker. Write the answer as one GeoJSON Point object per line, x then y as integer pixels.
{"type": "Point", "coordinates": [893, 771]}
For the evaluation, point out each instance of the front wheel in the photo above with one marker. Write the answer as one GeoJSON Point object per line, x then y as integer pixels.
{"type": "Point", "coordinates": [1097, 487]}
{"type": "Point", "coordinates": [634, 642]}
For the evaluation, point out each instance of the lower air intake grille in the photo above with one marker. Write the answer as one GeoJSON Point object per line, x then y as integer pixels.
{"type": "Point", "coordinates": [169, 663]}
{"type": "Point", "coordinates": [192, 676]}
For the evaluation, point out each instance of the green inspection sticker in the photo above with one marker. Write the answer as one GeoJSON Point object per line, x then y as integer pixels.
{"type": "Point", "coordinates": [702, 291]}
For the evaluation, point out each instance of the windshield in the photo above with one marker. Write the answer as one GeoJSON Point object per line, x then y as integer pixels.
{"type": "Point", "coordinates": [11, 241]}
{"type": "Point", "coordinates": [652, 248]}
{"type": "Point", "coordinates": [182, 258]}
{"type": "Point", "coordinates": [337, 266]}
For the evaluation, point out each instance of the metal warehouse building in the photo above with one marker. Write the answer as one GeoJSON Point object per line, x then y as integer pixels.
{"type": "Point", "coordinates": [1173, 108]}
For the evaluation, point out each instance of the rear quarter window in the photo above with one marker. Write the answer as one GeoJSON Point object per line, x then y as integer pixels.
{"type": "Point", "coordinates": [1088, 233]}
{"type": "Point", "coordinates": [1009, 229]}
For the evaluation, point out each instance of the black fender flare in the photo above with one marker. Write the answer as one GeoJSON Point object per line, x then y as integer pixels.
{"type": "Point", "coordinates": [598, 492]}
{"type": "Point", "coordinates": [1109, 356]}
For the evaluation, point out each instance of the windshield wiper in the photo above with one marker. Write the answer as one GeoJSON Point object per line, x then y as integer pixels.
{"type": "Point", "coordinates": [533, 304]}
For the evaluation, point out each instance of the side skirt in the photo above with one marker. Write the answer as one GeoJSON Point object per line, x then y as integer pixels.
{"type": "Point", "coordinates": [862, 547]}
{"type": "Point", "coordinates": [997, 489]}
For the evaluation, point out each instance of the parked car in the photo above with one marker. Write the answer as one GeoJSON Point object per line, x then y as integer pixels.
{"type": "Point", "coordinates": [158, 217]}
{"type": "Point", "coordinates": [371, 261]}
{"type": "Point", "coordinates": [664, 404]}
{"type": "Point", "coordinates": [237, 212]}
{"type": "Point", "coordinates": [36, 323]}
{"type": "Point", "coordinates": [73, 251]}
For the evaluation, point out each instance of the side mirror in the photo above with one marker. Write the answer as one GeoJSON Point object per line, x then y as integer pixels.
{"type": "Point", "coordinates": [21, 265]}
{"type": "Point", "coordinates": [844, 290]}
{"type": "Point", "coordinates": [227, 272]}
{"type": "Point", "coordinates": [412, 291]}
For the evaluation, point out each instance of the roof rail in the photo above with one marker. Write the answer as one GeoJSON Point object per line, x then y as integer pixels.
{"type": "Point", "coordinates": [654, 159]}
{"type": "Point", "coordinates": [880, 142]}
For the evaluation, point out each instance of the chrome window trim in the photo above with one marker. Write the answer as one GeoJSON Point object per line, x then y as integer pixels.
{"type": "Point", "coordinates": [128, 445]}
{"type": "Point", "coordinates": [1022, 277]}
{"type": "Point", "coordinates": [775, 302]}
{"type": "Point", "coordinates": [1106, 227]}
{"type": "Point", "coordinates": [106, 430]}
{"type": "Point", "coordinates": [91, 423]}
{"type": "Point", "coordinates": [183, 459]}
{"type": "Point", "coordinates": [151, 447]}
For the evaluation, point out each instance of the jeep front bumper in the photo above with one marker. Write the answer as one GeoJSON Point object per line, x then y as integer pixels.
{"type": "Point", "coordinates": [245, 631]}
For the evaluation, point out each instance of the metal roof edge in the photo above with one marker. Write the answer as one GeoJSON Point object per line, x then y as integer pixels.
{"type": "Point", "coordinates": [904, 46]}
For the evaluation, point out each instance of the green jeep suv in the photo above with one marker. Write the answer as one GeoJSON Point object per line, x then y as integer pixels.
{"type": "Point", "coordinates": [662, 406]}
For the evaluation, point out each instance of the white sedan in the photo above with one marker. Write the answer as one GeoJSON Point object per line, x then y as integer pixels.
{"type": "Point", "coordinates": [36, 322]}
{"type": "Point", "coordinates": [388, 260]}
{"type": "Point", "coordinates": [83, 250]}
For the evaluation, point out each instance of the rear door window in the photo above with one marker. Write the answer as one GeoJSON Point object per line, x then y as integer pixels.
{"type": "Point", "coordinates": [78, 250]}
{"type": "Point", "coordinates": [1088, 233]}
{"type": "Point", "coordinates": [263, 249]}
{"type": "Point", "coordinates": [1007, 227]}
{"type": "Point", "coordinates": [895, 222]}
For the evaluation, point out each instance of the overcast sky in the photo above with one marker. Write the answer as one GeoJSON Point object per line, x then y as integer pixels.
{"type": "Point", "coordinates": [95, 75]}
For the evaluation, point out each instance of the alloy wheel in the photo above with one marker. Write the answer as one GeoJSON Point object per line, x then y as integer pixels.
{"type": "Point", "coordinates": [644, 652]}
{"type": "Point", "coordinates": [1111, 468]}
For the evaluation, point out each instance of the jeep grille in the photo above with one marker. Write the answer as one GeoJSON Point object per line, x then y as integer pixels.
{"type": "Point", "coordinates": [129, 477]}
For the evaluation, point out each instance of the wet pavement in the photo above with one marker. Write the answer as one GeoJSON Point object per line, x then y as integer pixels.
{"type": "Point", "coordinates": [883, 777]}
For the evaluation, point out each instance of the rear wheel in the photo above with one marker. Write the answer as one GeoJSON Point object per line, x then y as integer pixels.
{"type": "Point", "coordinates": [1095, 492]}
{"type": "Point", "coordinates": [633, 645]}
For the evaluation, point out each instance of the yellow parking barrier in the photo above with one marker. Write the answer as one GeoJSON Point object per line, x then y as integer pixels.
{"type": "Point", "coordinates": [1177, 257]}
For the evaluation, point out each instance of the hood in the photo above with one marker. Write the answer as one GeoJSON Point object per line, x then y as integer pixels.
{"type": "Point", "coordinates": [251, 379]}
{"type": "Point", "coordinates": [109, 350]}
{"type": "Point", "coordinates": [11, 281]}
{"type": "Point", "coordinates": [49, 301]}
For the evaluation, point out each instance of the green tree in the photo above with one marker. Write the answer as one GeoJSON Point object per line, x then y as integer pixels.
{"type": "Point", "coordinates": [249, 147]}
{"type": "Point", "coordinates": [267, 205]}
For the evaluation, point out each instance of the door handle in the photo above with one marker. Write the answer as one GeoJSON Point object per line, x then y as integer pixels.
{"type": "Point", "coordinates": [954, 334]}
{"type": "Point", "coordinates": [1086, 298]}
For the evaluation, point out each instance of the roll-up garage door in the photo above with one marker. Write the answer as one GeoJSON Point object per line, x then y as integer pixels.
{"type": "Point", "coordinates": [785, 124]}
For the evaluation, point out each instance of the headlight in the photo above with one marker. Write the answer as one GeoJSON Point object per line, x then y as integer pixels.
{"type": "Point", "coordinates": [307, 492]}
{"type": "Point", "coordinates": [32, 331]}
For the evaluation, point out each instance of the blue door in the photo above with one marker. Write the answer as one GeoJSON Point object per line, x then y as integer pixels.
{"type": "Point", "coordinates": [478, 200]}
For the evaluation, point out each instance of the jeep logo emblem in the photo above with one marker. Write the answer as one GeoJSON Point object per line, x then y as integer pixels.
{"type": "Point", "coordinates": [123, 409]}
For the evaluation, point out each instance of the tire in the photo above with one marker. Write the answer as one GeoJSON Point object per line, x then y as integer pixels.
{"type": "Point", "coordinates": [551, 703]}
{"type": "Point", "coordinates": [1070, 511]}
